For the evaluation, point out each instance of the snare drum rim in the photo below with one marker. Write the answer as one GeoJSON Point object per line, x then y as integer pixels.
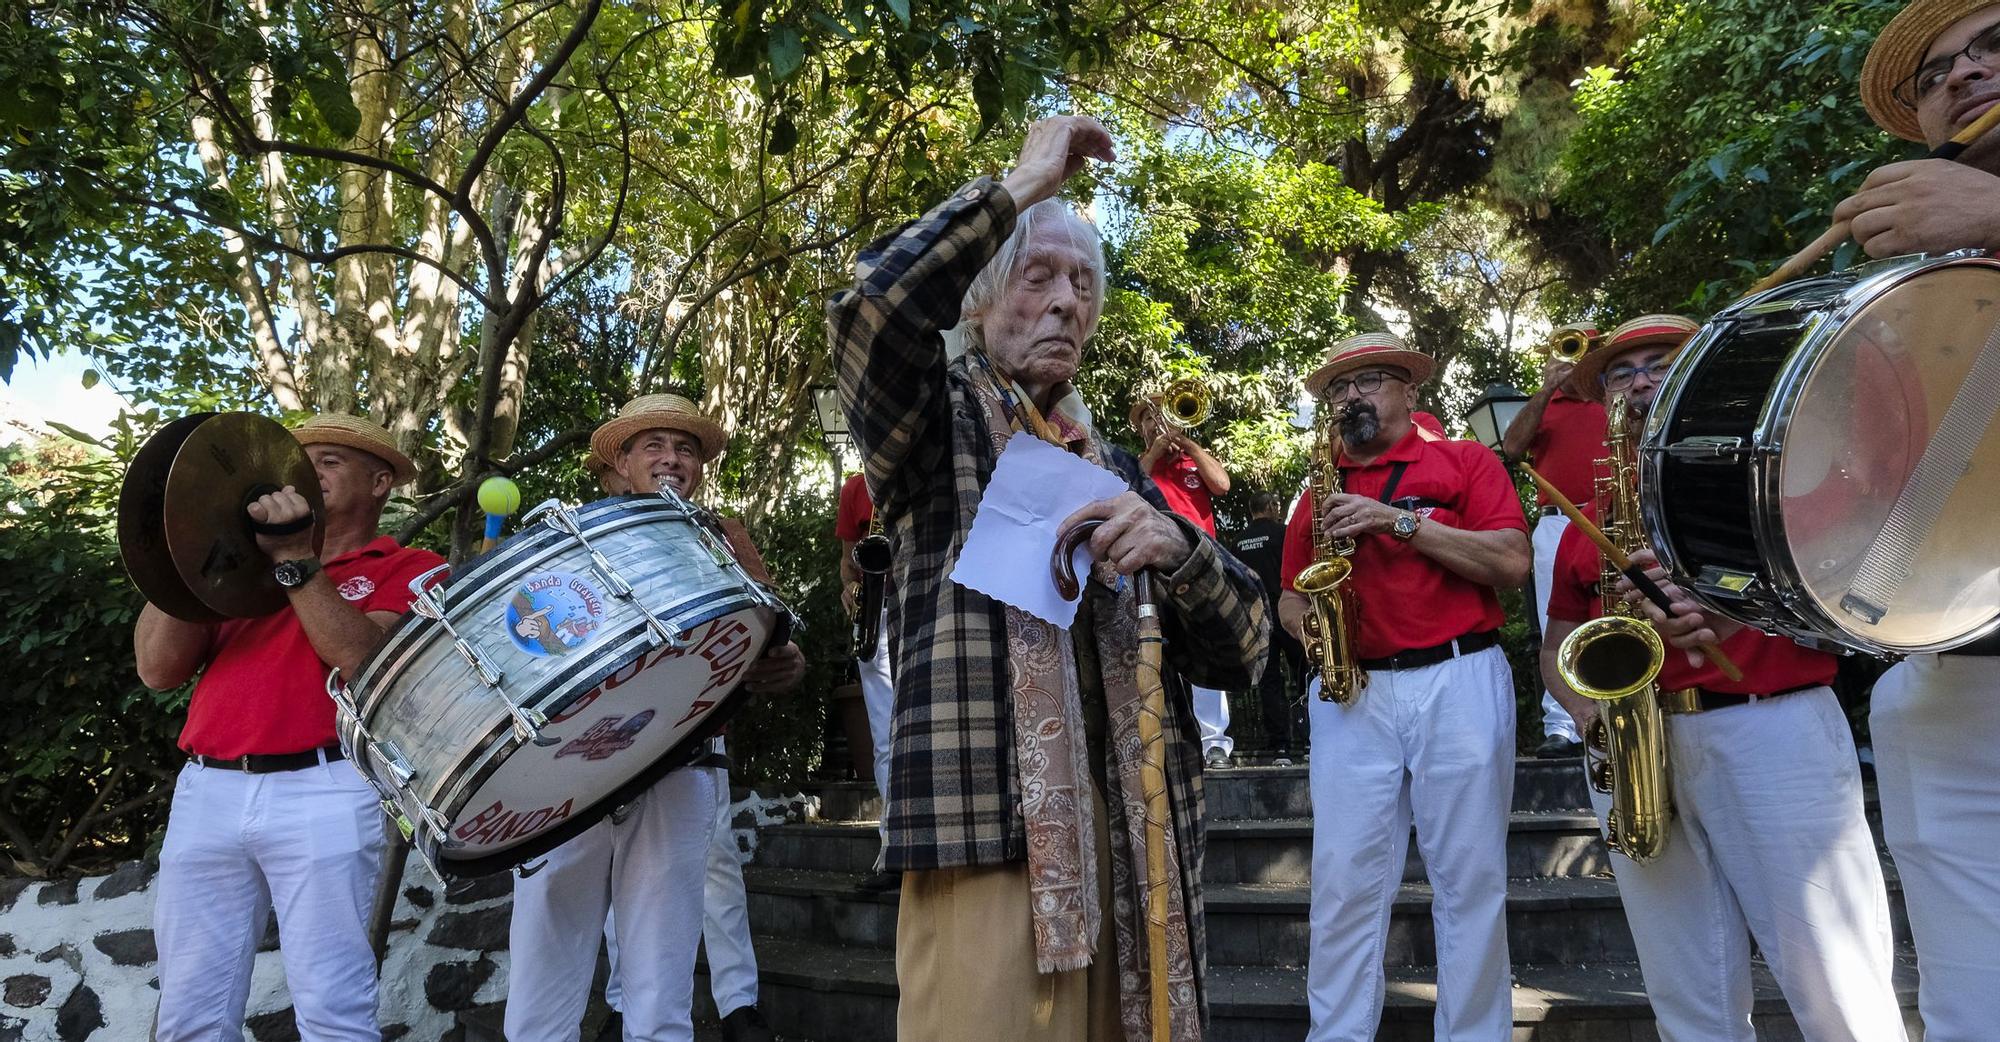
{"type": "Point", "coordinates": [488, 760]}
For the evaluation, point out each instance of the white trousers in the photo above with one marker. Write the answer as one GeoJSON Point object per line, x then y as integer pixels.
{"type": "Point", "coordinates": [308, 843]}
{"type": "Point", "coordinates": [1548, 534]}
{"type": "Point", "coordinates": [1211, 717]}
{"type": "Point", "coordinates": [1769, 844]}
{"type": "Point", "coordinates": [647, 867]}
{"type": "Point", "coordinates": [1936, 725]}
{"type": "Point", "coordinates": [878, 694]}
{"type": "Point", "coordinates": [725, 920]}
{"type": "Point", "coordinates": [1435, 746]}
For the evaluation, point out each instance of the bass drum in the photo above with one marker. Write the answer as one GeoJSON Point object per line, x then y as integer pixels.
{"type": "Point", "coordinates": [554, 679]}
{"type": "Point", "coordinates": [1819, 462]}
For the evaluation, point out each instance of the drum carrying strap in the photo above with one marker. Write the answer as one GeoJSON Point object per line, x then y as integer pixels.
{"type": "Point", "coordinates": [1890, 559]}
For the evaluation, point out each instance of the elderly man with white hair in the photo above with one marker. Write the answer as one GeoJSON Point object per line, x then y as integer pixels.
{"type": "Point", "coordinates": [1014, 795]}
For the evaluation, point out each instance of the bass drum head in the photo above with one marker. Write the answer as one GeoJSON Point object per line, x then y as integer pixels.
{"type": "Point", "coordinates": [1895, 548]}
{"type": "Point", "coordinates": [653, 710]}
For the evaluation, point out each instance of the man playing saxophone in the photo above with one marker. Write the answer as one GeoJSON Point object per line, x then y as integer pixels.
{"type": "Point", "coordinates": [1766, 838]}
{"type": "Point", "coordinates": [1436, 525]}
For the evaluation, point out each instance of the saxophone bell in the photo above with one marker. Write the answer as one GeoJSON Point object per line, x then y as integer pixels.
{"type": "Point", "coordinates": [872, 556]}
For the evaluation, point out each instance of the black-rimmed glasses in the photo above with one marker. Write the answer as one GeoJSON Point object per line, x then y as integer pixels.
{"type": "Point", "coordinates": [1366, 383]}
{"type": "Point", "coordinates": [1932, 74]}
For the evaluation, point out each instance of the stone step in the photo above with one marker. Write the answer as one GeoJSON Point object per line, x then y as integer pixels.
{"type": "Point", "coordinates": [1278, 851]}
{"type": "Point", "coordinates": [1264, 792]}
{"type": "Point", "coordinates": [1550, 921]}
{"type": "Point", "coordinates": [1554, 921]}
{"type": "Point", "coordinates": [829, 992]}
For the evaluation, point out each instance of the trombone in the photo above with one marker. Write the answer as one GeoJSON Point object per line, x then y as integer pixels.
{"type": "Point", "coordinates": [1183, 404]}
{"type": "Point", "coordinates": [1569, 343]}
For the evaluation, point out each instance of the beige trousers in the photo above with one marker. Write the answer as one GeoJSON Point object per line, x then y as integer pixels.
{"type": "Point", "coordinates": [965, 961]}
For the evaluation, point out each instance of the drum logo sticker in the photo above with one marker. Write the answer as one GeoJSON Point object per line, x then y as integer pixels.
{"type": "Point", "coordinates": [357, 587]}
{"type": "Point", "coordinates": [554, 613]}
{"type": "Point", "coordinates": [606, 737]}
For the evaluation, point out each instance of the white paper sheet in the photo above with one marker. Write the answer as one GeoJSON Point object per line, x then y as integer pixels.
{"type": "Point", "coordinates": [1006, 556]}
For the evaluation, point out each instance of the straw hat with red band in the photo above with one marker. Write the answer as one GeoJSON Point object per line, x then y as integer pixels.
{"type": "Point", "coordinates": [1369, 349]}
{"type": "Point", "coordinates": [360, 434]}
{"type": "Point", "coordinates": [657, 412]}
{"type": "Point", "coordinates": [1645, 331]}
{"type": "Point", "coordinates": [1896, 53]}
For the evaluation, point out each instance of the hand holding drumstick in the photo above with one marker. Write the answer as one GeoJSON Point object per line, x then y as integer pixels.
{"type": "Point", "coordinates": [1857, 208]}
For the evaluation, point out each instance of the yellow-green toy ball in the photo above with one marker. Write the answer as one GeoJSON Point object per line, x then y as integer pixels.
{"type": "Point", "coordinates": [500, 496]}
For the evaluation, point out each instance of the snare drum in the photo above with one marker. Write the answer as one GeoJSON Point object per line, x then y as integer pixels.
{"type": "Point", "coordinates": [554, 678]}
{"type": "Point", "coordinates": [1819, 461]}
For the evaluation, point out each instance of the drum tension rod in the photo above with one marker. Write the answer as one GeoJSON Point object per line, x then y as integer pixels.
{"type": "Point", "coordinates": [557, 516]}
{"type": "Point", "coordinates": [528, 723]}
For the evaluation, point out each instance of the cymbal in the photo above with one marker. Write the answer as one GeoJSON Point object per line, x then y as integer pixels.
{"type": "Point", "coordinates": [182, 527]}
{"type": "Point", "coordinates": [222, 467]}
{"type": "Point", "coordinates": [142, 533]}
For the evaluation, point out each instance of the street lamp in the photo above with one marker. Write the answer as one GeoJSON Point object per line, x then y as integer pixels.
{"type": "Point", "coordinates": [832, 418]}
{"type": "Point", "coordinates": [1493, 412]}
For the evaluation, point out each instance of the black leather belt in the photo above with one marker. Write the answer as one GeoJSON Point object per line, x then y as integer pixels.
{"type": "Point", "coordinates": [1417, 658]}
{"type": "Point", "coordinates": [1550, 510]}
{"type": "Point", "coordinates": [274, 763]}
{"type": "Point", "coordinates": [1702, 700]}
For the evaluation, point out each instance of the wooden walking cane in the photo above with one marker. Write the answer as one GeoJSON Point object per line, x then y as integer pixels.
{"type": "Point", "coordinates": [1834, 236]}
{"type": "Point", "coordinates": [1152, 763]}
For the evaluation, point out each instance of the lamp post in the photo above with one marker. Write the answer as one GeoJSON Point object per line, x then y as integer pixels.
{"type": "Point", "coordinates": [1493, 412]}
{"type": "Point", "coordinates": [832, 419]}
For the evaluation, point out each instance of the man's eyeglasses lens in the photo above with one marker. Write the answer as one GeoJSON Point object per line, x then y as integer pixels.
{"type": "Point", "coordinates": [1366, 383]}
{"type": "Point", "coordinates": [1933, 74]}
{"type": "Point", "coordinates": [1622, 376]}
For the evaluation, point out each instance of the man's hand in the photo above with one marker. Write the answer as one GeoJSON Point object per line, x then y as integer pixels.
{"type": "Point", "coordinates": [850, 597]}
{"type": "Point", "coordinates": [1134, 535]}
{"type": "Point", "coordinates": [1582, 710]}
{"type": "Point", "coordinates": [780, 669]}
{"type": "Point", "coordinates": [1054, 151]}
{"type": "Point", "coordinates": [277, 508]}
{"type": "Point", "coordinates": [1688, 627]}
{"type": "Point", "coordinates": [1343, 515]}
{"type": "Point", "coordinates": [1555, 371]}
{"type": "Point", "coordinates": [1923, 206]}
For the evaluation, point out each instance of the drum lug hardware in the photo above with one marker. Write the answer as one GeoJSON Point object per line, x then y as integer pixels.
{"type": "Point", "coordinates": [609, 575]}
{"type": "Point", "coordinates": [528, 723]}
{"type": "Point", "coordinates": [428, 603]}
{"type": "Point", "coordinates": [1707, 449]}
{"type": "Point", "coordinates": [396, 764]}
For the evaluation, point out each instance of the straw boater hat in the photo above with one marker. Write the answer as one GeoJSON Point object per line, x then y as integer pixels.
{"type": "Point", "coordinates": [360, 434]}
{"type": "Point", "coordinates": [1366, 350]}
{"type": "Point", "coordinates": [657, 411]}
{"type": "Point", "coordinates": [1897, 52]}
{"type": "Point", "coordinates": [1644, 331]}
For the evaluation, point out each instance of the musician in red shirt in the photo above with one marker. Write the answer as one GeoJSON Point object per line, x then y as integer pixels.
{"type": "Point", "coordinates": [1430, 739]}
{"type": "Point", "coordinates": [267, 815]}
{"type": "Point", "coordinates": [1561, 430]}
{"type": "Point", "coordinates": [1769, 842]}
{"type": "Point", "coordinates": [852, 522]}
{"type": "Point", "coordinates": [1189, 478]}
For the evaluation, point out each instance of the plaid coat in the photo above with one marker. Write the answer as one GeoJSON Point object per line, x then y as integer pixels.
{"type": "Point", "coordinates": [954, 796]}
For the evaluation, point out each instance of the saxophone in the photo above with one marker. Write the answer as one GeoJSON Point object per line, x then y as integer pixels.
{"type": "Point", "coordinates": [872, 557]}
{"type": "Point", "coordinates": [1329, 623]}
{"type": "Point", "coordinates": [1616, 660]}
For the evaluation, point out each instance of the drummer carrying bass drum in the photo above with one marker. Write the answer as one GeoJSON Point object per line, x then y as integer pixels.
{"type": "Point", "coordinates": [266, 814]}
{"type": "Point", "coordinates": [646, 864]}
{"type": "Point", "coordinates": [1935, 718]}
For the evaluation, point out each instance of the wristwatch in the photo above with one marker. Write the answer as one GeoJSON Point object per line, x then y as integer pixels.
{"type": "Point", "coordinates": [293, 574]}
{"type": "Point", "coordinates": [1405, 525]}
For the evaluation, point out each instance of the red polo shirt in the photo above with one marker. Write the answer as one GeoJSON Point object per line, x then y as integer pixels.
{"type": "Point", "coordinates": [263, 691]}
{"type": "Point", "coordinates": [1769, 664]}
{"type": "Point", "coordinates": [1179, 481]}
{"type": "Point", "coordinates": [1405, 599]}
{"type": "Point", "coordinates": [1567, 445]}
{"type": "Point", "coordinates": [850, 521]}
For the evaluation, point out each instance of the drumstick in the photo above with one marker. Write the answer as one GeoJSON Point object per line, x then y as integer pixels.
{"type": "Point", "coordinates": [1834, 236]}
{"type": "Point", "coordinates": [1623, 563]}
